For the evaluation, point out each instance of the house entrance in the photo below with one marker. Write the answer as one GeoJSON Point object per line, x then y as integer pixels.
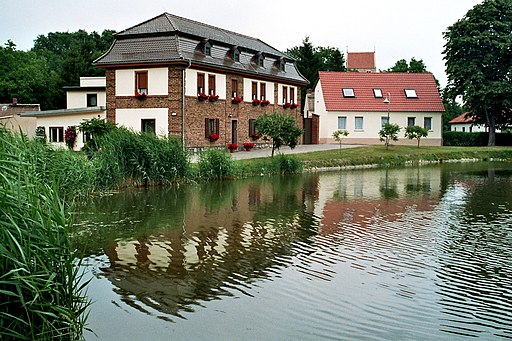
{"type": "Point", "coordinates": [234, 131]}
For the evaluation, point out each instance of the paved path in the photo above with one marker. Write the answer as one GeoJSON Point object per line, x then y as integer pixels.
{"type": "Point", "coordinates": [264, 152]}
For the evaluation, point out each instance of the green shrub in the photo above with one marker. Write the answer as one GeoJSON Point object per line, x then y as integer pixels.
{"type": "Point", "coordinates": [216, 164]}
{"type": "Point", "coordinates": [460, 139]}
{"type": "Point", "coordinates": [287, 164]}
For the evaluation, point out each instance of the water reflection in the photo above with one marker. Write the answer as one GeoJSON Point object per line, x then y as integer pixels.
{"type": "Point", "coordinates": [374, 254]}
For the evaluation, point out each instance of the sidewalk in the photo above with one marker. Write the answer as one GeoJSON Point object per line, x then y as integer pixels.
{"type": "Point", "coordinates": [302, 148]}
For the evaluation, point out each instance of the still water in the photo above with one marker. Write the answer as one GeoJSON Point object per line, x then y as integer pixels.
{"type": "Point", "coordinates": [389, 254]}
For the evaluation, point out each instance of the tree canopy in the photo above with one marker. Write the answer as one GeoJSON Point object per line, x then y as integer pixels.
{"type": "Point", "coordinates": [281, 128]}
{"type": "Point", "coordinates": [414, 66]}
{"type": "Point", "coordinates": [310, 59]}
{"type": "Point", "coordinates": [56, 60]}
{"type": "Point", "coordinates": [478, 59]}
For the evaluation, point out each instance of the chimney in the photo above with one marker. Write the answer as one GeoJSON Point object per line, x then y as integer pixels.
{"type": "Point", "coordinates": [14, 101]}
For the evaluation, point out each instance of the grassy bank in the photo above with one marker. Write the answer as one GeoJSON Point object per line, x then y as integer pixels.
{"type": "Point", "coordinates": [380, 156]}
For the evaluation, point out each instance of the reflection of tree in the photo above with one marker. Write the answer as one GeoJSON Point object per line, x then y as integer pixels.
{"type": "Point", "coordinates": [388, 186]}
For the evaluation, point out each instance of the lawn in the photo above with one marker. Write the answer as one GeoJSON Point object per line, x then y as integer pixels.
{"type": "Point", "coordinates": [395, 155]}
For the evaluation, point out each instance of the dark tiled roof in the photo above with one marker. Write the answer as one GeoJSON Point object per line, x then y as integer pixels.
{"type": "Point", "coordinates": [428, 98]}
{"type": "Point", "coordinates": [169, 38]}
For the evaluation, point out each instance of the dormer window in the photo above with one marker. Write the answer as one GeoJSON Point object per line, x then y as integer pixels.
{"type": "Point", "coordinates": [235, 55]}
{"type": "Point", "coordinates": [280, 64]}
{"type": "Point", "coordinates": [348, 92]}
{"type": "Point", "coordinates": [410, 93]}
{"type": "Point", "coordinates": [260, 58]}
{"type": "Point", "coordinates": [207, 49]}
{"type": "Point", "coordinates": [377, 93]}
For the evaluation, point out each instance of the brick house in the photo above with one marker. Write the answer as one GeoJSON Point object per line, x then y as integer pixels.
{"type": "Point", "coordinates": [362, 103]}
{"type": "Point", "coordinates": [179, 77]}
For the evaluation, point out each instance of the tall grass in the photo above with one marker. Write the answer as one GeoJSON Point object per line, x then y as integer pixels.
{"type": "Point", "coordinates": [128, 158]}
{"type": "Point", "coordinates": [40, 298]}
{"type": "Point", "coordinates": [216, 164]}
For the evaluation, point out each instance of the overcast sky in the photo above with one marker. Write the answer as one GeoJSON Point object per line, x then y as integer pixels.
{"type": "Point", "coordinates": [395, 29]}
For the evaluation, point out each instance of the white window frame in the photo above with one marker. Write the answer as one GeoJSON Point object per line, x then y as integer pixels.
{"type": "Point", "coordinates": [410, 93]}
{"type": "Point", "coordinates": [348, 92]}
{"type": "Point", "coordinates": [425, 123]}
{"type": "Point", "coordinates": [343, 120]}
{"type": "Point", "coordinates": [356, 120]}
{"type": "Point", "coordinates": [377, 93]}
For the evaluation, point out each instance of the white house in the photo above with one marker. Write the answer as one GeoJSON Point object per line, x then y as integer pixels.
{"type": "Point", "coordinates": [362, 103]}
{"type": "Point", "coordinates": [465, 123]}
{"type": "Point", "coordinates": [84, 102]}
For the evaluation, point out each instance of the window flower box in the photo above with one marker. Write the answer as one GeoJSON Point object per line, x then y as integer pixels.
{"type": "Point", "coordinates": [264, 102]}
{"type": "Point", "coordinates": [213, 137]}
{"type": "Point", "coordinates": [287, 105]}
{"type": "Point", "coordinates": [255, 136]}
{"type": "Point", "coordinates": [232, 147]}
{"type": "Point", "coordinates": [236, 100]}
{"type": "Point", "coordinates": [202, 96]}
{"type": "Point", "coordinates": [140, 95]}
{"type": "Point", "coordinates": [213, 98]}
{"type": "Point", "coordinates": [293, 106]}
{"type": "Point", "coordinates": [256, 102]}
{"type": "Point", "coordinates": [248, 146]}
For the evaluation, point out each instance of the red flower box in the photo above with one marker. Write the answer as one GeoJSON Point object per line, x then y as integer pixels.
{"type": "Point", "coordinates": [140, 95]}
{"type": "Point", "coordinates": [202, 96]}
{"type": "Point", "coordinates": [213, 98]}
{"type": "Point", "coordinates": [236, 100]}
{"type": "Point", "coordinates": [213, 137]}
{"type": "Point", "coordinates": [287, 105]}
{"type": "Point", "coordinates": [264, 103]}
{"type": "Point", "coordinates": [256, 102]}
{"type": "Point", "coordinates": [293, 106]}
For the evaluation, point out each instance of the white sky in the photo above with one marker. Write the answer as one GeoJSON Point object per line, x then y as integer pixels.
{"type": "Point", "coordinates": [395, 29]}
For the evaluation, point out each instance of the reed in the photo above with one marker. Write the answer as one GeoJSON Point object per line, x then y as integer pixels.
{"type": "Point", "coordinates": [125, 158]}
{"type": "Point", "coordinates": [41, 297]}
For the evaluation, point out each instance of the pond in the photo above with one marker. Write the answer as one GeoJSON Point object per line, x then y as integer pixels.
{"type": "Point", "coordinates": [383, 254]}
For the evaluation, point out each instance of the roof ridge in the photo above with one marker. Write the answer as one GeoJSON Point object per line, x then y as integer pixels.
{"type": "Point", "coordinates": [139, 24]}
{"type": "Point", "coordinates": [171, 22]}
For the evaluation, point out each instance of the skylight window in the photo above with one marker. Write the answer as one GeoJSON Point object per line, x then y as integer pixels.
{"type": "Point", "coordinates": [377, 93]}
{"type": "Point", "coordinates": [348, 92]}
{"type": "Point", "coordinates": [410, 93]}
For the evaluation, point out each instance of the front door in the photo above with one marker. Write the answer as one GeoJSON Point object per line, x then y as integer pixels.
{"type": "Point", "coordinates": [234, 131]}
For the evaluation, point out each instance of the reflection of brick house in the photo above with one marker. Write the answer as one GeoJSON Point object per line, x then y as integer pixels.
{"type": "Point", "coordinates": [184, 78]}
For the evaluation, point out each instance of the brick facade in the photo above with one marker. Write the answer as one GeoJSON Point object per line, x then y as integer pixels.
{"type": "Point", "coordinates": [197, 111]}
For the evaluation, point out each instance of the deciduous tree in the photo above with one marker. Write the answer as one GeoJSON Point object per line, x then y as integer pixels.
{"type": "Point", "coordinates": [478, 59]}
{"type": "Point", "coordinates": [281, 128]}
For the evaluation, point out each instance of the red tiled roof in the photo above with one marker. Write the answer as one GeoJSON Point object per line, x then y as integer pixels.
{"type": "Point", "coordinates": [361, 60]}
{"type": "Point", "coordinates": [462, 119]}
{"type": "Point", "coordinates": [363, 83]}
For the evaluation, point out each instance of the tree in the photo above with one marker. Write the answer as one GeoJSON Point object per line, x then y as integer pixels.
{"type": "Point", "coordinates": [416, 132]}
{"type": "Point", "coordinates": [389, 133]}
{"type": "Point", "coordinates": [479, 64]}
{"type": "Point", "coordinates": [310, 59]}
{"type": "Point", "coordinates": [414, 66]}
{"type": "Point", "coordinates": [339, 134]}
{"type": "Point", "coordinates": [281, 128]}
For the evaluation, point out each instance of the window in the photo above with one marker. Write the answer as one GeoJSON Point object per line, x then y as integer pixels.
{"type": "Point", "coordinates": [377, 93]}
{"type": "Point", "coordinates": [292, 95]}
{"type": "Point", "coordinates": [427, 123]}
{"type": "Point", "coordinates": [92, 100]}
{"type": "Point", "coordinates": [148, 125]}
{"type": "Point", "coordinates": [235, 54]}
{"type": "Point", "coordinates": [211, 85]}
{"type": "Point", "coordinates": [200, 83]}
{"type": "Point", "coordinates": [260, 58]}
{"type": "Point", "coordinates": [263, 91]}
{"type": "Point", "coordinates": [411, 121]}
{"type": "Point", "coordinates": [252, 127]}
{"type": "Point", "coordinates": [56, 134]}
{"type": "Point", "coordinates": [234, 88]}
{"type": "Point", "coordinates": [254, 90]}
{"type": "Point", "coordinates": [211, 126]}
{"type": "Point", "coordinates": [342, 122]}
{"type": "Point", "coordinates": [410, 93]}
{"type": "Point", "coordinates": [463, 129]}
{"type": "Point", "coordinates": [141, 82]}
{"type": "Point", "coordinates": [383, 121]}
{"type": "Point", "coordinates": [207, 49]}
{"type": "Point", "coordinates": [281, 64]}
{"type": "Point", "coordinates": [358, 123]}
{"type": "Point", "coordinates": [348, 92]}
{"type": "Point", "coordinates": [285, 94]}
